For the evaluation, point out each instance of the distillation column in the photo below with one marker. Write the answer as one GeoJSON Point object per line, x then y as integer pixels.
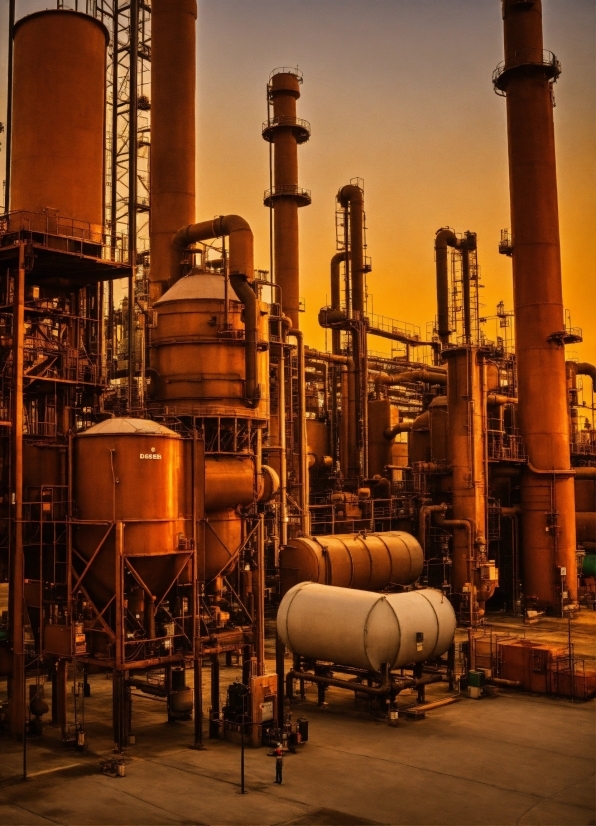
{"type": "Point", "coordinates": [548, 503]}
{"type": "Point", "coordinates": [173, 70]}
{"type": "Point", "coordinates": [286, 131]}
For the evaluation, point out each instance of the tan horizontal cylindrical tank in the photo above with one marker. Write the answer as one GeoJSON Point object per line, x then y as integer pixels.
{"type": "Point", "coordinates": [58, 116]}
{"type": "Point", "coordinates": [367, 561]}
{"type": "Point", "coordinates": [198, 364]}
{"type": "Point", "coordinates": [129, 470]}
{"type": "Point", "coordinates": [364, 630]}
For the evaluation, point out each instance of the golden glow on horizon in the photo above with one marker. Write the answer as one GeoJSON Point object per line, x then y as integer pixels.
{"type": "Point", "coordinates": [399, 93]}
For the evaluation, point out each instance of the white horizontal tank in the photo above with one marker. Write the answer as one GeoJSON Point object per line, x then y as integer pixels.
{"type": "Point", "coordinates": [364, 629]}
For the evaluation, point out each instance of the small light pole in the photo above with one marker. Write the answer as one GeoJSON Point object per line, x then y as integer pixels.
{"type": "Point", "coordinates": [245, 691]}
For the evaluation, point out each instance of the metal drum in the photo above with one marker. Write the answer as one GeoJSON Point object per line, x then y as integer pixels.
{"type": "Point", "coordinates": [366, 561]}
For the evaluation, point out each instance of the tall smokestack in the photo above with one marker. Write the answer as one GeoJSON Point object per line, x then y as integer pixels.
{"type": "Point", "coordinates": [173, 70]}
{"type": "Point", "coordinates": [286, 131]}
{"type": "Point", "coordinates": [548, 501]}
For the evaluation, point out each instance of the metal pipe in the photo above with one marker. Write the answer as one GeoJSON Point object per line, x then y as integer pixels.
{"type": "Point", "coordinates": [352, 197]}
{"type": "Point", "coordinates": [585, 472]}
{"type": "Point", "coordinates": [500, 399]}
{"type": "Point", "coordinates": [236, 228]}
{"type": "Point", "coordinates": [283, 459]}
{"type": "Point", "coordinates": [132, 188]}
{"type": "Point", "coordinates": [401, 427]}
{"type": "Point", "coordinates": [580, 368]}
{"type": "Point", "coordinates": [434, 376]}
{"type": "Point", "coordinates": [17, 564]}
{"type": "Point", "coordinates": [173, 73]}
{"type": "Point", "coordinates": [336, 298]}
{"type": "Point", "coordinates": [392, 687]}
{"type": "Point", "coordinates": [444, 238]}
{"type": "Point", "coordinates": [548, 500]}
{"type": "Point", "coordinates": [302, 438]}
{"type": "Point", "coordinates": [467, 245]}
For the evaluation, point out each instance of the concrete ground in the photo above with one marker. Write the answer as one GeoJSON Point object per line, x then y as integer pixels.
{"type": "Point", "coordinates": [511, 759]}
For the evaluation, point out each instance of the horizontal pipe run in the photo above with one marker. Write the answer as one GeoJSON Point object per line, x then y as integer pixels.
{"type": "Point", "coordinates": [585, 472]}
{"type": "Point", "coordinates": [500, 399]}
{"type": "Point", "coordinates": [393, 687]}
{"type": "Point", "coordinates": [407, 376]}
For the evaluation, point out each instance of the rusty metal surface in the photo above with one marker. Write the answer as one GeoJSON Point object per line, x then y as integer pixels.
{"type": "Point", "coordinates": [173, 79]}
{"type": "Point", "coordinates": [547, 488]}
{"type": "Point", "coordinates": [59, 81]}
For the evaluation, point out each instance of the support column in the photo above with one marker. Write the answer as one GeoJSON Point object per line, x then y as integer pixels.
{"type": "Point", "coordinates": [215, 707]}
{"type": "Point", "coordinates": [16, 606]}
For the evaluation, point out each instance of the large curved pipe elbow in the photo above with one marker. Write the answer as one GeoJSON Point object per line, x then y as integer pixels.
{"type": "Point", "coordinates": [444, 238]}
{"type": "Point", "coordinates": [350, 194]}
{"type": "Point", "coordinates": [580, 368]}
{"type": "Point", "coordinates": [435, 375]}
{"type": "Point", "coordinates": [241, 257]}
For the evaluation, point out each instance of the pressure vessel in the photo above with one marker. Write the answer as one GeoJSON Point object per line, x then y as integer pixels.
{"type": "Point", "coordinates": [367, 561]}
{"type": "Point", "coordinates": [198, 350]}
{"type": "Point", "coordinates": [365, 630]}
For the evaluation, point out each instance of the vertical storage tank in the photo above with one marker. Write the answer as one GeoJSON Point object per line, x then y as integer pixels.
{"type": "Point", "coordinates": [58, 117]}
{"type": "Point", "coordinates": [198, 350]}
{"type": "Point", "coordinates": [129, 470]}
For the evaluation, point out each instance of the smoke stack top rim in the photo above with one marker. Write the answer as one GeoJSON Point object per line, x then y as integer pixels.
{"type": "Point", "coordinates": [61, 12]}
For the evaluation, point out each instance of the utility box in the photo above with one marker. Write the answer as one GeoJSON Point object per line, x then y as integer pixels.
{"type": "Point", "coordinates": [528, 663]}
{"type": "Point", "coordinates": [58, 639]}
{"type": "Point", "coordinates": [475, 684]}
{"type": "Point", "coordinates": [263, 699]}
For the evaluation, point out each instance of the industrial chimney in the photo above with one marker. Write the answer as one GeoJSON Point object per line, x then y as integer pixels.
{"type": "Point", "coordinates": [173, 64]}
{"type": "Point", "coordinates": [285, 131]}
{"type": "Point", "coordinates": [548, 503]}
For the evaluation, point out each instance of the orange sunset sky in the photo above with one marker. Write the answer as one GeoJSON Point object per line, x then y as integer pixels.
{"type": "Point", "coordinates": [398, 92]}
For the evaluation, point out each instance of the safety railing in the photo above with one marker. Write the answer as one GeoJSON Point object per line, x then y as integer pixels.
{"type": "Point", "coordinates": [301, 195]}
{"type": "Point", "coordinates": [299, 124]}
{"type": "Point", "coordinates": [64, 234]}
{"type": "Point", "coordinates": [549, 62]}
